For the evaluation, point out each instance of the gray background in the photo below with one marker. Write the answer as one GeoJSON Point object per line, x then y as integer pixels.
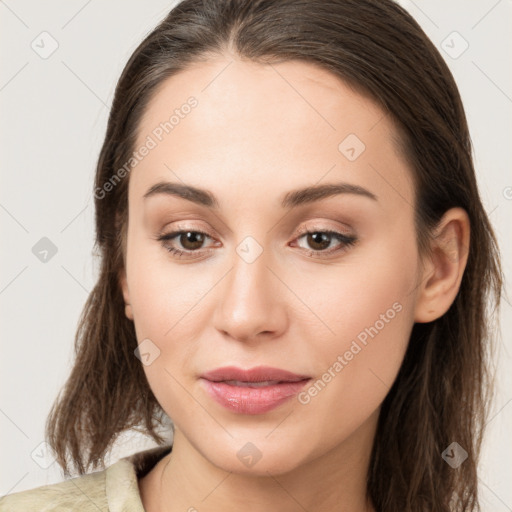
{"type": "Point", "coordinates": [54, 113]}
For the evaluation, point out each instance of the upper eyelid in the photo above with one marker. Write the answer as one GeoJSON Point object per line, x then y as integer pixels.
{"type": "Point", "coordinates": [300, 231]}
{"type": "Point", "coordinates": [174, 233]}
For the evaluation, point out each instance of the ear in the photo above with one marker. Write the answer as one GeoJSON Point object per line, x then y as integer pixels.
{"type": "Point", "coordinates": [126, 294]}
{"type": "Point", "coordinates": [443, 271]}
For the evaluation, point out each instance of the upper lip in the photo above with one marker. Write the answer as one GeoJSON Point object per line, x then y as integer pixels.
{"type": "Point", "coordinates": [256, 374]}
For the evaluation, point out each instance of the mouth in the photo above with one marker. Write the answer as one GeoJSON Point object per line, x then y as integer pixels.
{"type": "Point", "coordinates": [258, 374]}
{"type": "Point", "coordinates": [251, 384]}
{"type": "Point", "coordinates": [254, 391]}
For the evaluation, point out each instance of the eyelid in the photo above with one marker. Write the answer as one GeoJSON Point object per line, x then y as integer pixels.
{"type": "Point", "coordinates": [315, 228]}
{"type": "Point", "coordinates": [301, 231]}
{"type": "Point", "coordinates": [345, 240]}
{"type": "Point", "coordinates": [165, 235]}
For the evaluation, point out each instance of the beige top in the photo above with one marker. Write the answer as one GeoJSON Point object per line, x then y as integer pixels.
{"type": "Point", "coordinates": [114, 489]}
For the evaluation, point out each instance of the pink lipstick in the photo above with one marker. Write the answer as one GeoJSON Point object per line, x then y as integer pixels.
{"type": "Point", "coordinates": [253, 391]}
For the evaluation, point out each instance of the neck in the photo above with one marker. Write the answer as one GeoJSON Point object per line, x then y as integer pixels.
{"type": "Point", "coordinates": [185, 480]}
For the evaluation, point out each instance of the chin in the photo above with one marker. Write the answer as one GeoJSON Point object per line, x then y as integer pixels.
{"type": "Point", "coordinates": [258, 458]}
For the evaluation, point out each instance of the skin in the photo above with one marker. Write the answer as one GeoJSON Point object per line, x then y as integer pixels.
{"type": "Point", "coordinates": [258, 132]}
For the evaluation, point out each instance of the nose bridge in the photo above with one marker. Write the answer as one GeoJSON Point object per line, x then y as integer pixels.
{"type": "Point", "coordinates": [249, 283]}
{"type": "Point", "coordinates": [250, 301]}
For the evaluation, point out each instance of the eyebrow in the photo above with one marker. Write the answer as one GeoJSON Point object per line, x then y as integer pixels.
{"type": "Point", "coordinates": [291, 199]}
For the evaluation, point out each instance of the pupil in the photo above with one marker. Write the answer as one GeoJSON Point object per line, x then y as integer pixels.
{"type": "Point", "coordinates": [323, 241]}
{"type": "Point", "coordinates": [196, 239]}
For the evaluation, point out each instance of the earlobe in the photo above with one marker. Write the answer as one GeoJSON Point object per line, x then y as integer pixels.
{"type": "Point", "coordinates": [442, 275]}
{"type": "Point", "coordinates": [126, 295]}
{"type": "Point", "coordinates": [128, 311]}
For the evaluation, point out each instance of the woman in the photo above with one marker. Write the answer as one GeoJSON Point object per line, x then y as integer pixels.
{"type": "Point", "coordinates": [296, 265]}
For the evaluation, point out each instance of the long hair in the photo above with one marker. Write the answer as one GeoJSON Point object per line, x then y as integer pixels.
{"type": "Point", "coordinates": [441, 392]}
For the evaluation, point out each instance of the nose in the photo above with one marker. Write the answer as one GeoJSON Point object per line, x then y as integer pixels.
{"type": "Point", "coordinates": [251, 301]}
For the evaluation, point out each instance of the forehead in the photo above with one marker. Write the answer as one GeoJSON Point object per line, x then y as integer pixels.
{"type": "Point", "coordinates": [231, 92]}
{"type": "Point", "coordinates": [292, 124]}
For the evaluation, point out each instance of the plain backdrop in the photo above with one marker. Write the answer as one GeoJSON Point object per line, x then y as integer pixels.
{"type": "Point", "coordinates": [60, 61]}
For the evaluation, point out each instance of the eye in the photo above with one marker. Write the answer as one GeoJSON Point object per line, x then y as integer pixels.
{"type": "Point", "coordinates": [192, 241]}
{"type": "Point", "coordinates": [320, 240]}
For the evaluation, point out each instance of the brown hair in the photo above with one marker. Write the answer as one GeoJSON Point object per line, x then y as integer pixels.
{"type": "Point", "coordinates": [441, 390]}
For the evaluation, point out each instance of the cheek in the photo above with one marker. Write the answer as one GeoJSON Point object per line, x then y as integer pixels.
{"type": "Point", "coordinates": [352, 296]}
{"type": "Point", "coordinates": [166, 304]}
{"type": "Point", "coordinates": [369, 310]}
{"type": "Point", "coordinates": [162, 293]}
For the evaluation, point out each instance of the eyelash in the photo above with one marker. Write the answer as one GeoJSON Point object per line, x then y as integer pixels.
{"type": "Point", "coordinates": [346, 241]}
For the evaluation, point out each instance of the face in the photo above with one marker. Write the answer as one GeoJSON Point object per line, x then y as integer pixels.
{"type": "Point", "coordinates": [317, 284]}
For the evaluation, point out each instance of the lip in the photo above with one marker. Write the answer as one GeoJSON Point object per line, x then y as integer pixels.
{"type": "Point", "coordinates": [256, 374]}
{"type": "Point", "coordinates": [244, 399]}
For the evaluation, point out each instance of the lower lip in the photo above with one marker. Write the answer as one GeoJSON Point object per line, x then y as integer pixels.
{"type": "Point", "coordinates": [246, 400]}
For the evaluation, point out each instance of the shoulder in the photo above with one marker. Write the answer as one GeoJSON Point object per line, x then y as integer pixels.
{"type": "Point", "coordinates": [114, 488]}
{"type": "Point", "coordinates": [85, 493]}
